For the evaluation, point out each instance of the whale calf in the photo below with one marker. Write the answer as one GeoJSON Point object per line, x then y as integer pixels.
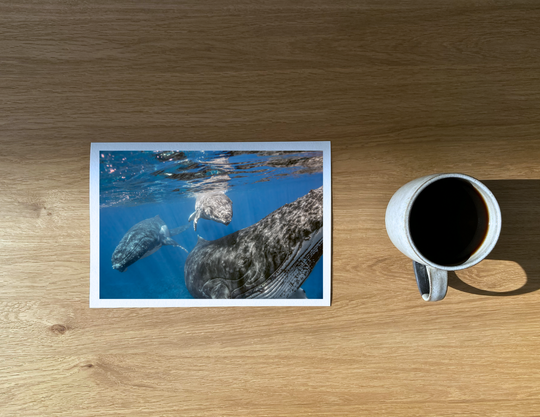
{"type": "Point", "coordinates": [214, 206]}
{"type": "Point", "coordinates": [142, 240]}
{"type": "Point", "coordinates": [270, 259]}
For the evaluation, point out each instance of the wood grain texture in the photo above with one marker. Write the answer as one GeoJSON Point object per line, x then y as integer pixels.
{"type": "Point", "coordinates": [401, 88]}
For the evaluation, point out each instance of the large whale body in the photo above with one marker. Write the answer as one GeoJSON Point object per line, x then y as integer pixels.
{"type": "Point", "coordinates": [142, 240]}
{"type": "Point", "coordinates": [270, 259]}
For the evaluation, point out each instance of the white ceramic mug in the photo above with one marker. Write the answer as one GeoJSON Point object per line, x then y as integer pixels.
{"type": "Point", "coordinates": [431, 277]}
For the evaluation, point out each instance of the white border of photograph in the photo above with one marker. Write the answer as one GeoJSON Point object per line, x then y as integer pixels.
{"type": "Point", "coordinates": [97, 148]}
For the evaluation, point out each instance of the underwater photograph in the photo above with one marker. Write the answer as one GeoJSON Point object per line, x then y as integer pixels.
{"type": "Point", "coordinates": [210, 224]}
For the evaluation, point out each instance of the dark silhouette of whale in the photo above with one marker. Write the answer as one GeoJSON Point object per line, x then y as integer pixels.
{"type": "Point", "coordinates": [270, 259]}
{"type": "Point", "coordinates": [142, 240]}
{"type": "Point", "coordinates": [214, 206]}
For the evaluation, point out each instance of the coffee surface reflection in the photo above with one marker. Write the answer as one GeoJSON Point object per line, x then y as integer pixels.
{"type": "Point", "coordinates": [448, 221]}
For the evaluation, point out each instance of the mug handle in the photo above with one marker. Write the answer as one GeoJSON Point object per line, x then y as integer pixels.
{"type": "Point", "coordinates": [432, 282]}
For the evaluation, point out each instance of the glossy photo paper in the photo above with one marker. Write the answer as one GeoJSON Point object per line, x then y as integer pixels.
{"type": "Point", "coordinates": [210, 224]}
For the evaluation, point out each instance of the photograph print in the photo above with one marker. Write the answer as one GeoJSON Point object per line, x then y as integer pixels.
{"type": "Point", "coordinates": [210, 224]}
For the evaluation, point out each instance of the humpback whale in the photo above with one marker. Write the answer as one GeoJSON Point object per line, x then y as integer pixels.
{"type": "Point", "coordinates": [142, 240]}
{"type": "Point", "coordinates": [212, 206]}
{"type": "Point", "coordinates": [270, 259]}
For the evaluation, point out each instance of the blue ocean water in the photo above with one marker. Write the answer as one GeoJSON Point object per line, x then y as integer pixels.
{"type": "Point", "coordinates": [135, 186]}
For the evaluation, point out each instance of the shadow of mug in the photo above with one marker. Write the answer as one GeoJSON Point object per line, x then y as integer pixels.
{"type": "Point", "coordinates": [519, 240]}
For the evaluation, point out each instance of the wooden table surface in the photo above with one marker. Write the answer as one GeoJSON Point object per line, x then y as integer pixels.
{"type": "Point", "coordinates": [401, 88]}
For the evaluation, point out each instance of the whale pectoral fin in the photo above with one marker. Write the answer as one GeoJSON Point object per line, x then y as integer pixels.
{"type": "Point", "coordinates": [171, 242]}
{"type": "Point", "coordinates": [195, 216]}
{"type": "Point", "coordinates": [216, 288]}
{"type": "Point", "coordinates": [178, 230]}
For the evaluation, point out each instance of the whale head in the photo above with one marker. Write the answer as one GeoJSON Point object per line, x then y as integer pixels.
{"type": "Point", "coordinates": [119, 267]}
{"type": "Point", "coordinates": [217, 207]}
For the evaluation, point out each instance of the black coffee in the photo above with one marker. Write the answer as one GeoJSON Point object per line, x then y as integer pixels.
{"type": "Point", "coordinates": [448, 221]}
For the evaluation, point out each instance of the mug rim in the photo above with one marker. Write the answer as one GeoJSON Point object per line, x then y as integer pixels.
{"type": "Point", "coordinates": [486, 247]}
